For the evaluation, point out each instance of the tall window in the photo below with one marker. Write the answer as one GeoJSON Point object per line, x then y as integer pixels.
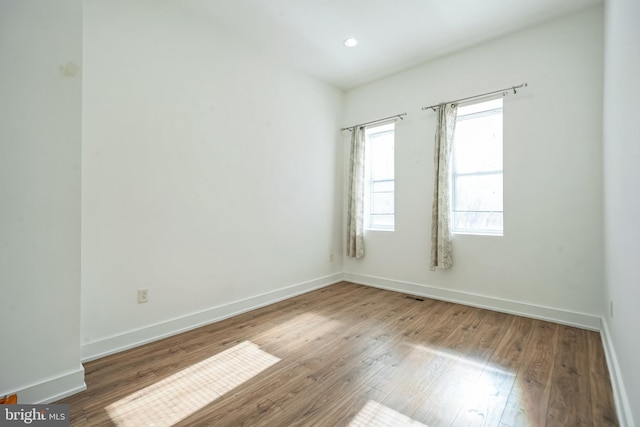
{"type": "Point", "coordinates": [379, 177]}
{"type": "Point", "coordinates": [477, 169]}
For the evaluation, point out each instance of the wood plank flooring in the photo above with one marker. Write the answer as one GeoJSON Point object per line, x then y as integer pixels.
{"type": "Point", "coordinates": [351, 355]}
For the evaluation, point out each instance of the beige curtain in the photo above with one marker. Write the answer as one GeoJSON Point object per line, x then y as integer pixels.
{"type": "Point", "coordinates": [355, 213]}
{"type": "Point", "coordinates": [441, 256]}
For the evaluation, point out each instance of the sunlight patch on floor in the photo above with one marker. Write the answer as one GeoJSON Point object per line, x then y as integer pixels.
{"type": "Point", "coordinates": [480, 366]}
{"type": "Point", "coordinates": [481, 388]}
{"type": "Point", "coordinates": [176, 397]}
{"type": "Point", "coordinates": [375, 414]}
{"type": "Point", "coordinates": [298, 331]}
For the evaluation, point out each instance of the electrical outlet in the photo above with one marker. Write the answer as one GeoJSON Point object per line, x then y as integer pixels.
{"type": "Point", "coordinates": [331, 257]}
{"type": "Point", "coordinates": [143, 296]}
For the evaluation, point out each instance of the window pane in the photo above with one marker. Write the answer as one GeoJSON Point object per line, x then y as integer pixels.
{"type": "Point", "coordinates": [478, 221]}
{"type": "Point", "coordinates": [382, 155]}
{"type": "Point", "coordinates": [478, 107]}
{"type": "Point", "coordinates": [378, 186]}
{"type": "Point", "coordinates": [477, 174]}
{"type": "Point", "coordinates": [379, 177]}
{"type": "Point", "coordinates": [382, 221]}
{"type": "Point", "coordinates": [477, 144]}
{"type": "Point", "coordinates": [381, 203]}
{"type": "Point", "coordinates": [478, 193]}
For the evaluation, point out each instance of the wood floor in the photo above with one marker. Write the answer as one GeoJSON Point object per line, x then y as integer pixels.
{"type": "Point", "coordinates": [351, 355]}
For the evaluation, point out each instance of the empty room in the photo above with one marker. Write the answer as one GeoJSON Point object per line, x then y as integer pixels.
{"type": "Point", "coordinates": [355, 213]}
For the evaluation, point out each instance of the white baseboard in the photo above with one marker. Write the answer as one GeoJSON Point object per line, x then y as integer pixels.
{"type": "Point", "coordinates": [53, 389]}
{"type": "Point", "coordinates": [49, 391]}
{"type": "Point", "coordinates": [137, 337]}
{"type": "Point", "coordinates": [570, 318]}
{"type": "Point", "coordinates": [623, 407]}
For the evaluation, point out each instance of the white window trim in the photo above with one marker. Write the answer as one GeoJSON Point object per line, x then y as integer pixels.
{"type": "Point", "coordinates": [476, 232]}
{"type": "Point", "coordinates": [386, 126]}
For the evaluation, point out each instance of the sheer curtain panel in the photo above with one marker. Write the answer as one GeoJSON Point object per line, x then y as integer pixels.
{"type": "Point", "coordinates": [441, 256]}
{"type": "Point", "coordinates": [355, 213]}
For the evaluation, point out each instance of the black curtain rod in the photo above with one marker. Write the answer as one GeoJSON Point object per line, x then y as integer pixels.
{"type": "Point", "coordinates": [504, 92]}
{"type": "Point", "coordinates": [400, 116]}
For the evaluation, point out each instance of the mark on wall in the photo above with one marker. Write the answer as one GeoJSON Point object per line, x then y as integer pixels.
{"type": "Point", "coordinates": [69, 69]}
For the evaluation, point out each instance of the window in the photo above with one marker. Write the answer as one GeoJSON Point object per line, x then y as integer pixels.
{"type": "Point", "coordinates": [379, 177]}
{"type": "Point", "coordinates": [477, 169]}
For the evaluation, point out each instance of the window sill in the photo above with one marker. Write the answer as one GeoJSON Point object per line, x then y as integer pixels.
{"type": "Point", "coordinates": [478, 233]}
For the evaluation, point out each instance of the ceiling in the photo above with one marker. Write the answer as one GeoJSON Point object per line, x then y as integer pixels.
{"type": "Point", "coordinates": [393, 35]}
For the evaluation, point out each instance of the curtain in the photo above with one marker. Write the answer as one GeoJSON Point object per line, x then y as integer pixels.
{"type": "Point", "coordinates": [441, 256]}
{"type": "Point", "coordinates": [355, 213]}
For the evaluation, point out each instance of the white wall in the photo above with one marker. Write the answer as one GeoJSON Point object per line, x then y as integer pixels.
{"type": "Point", "coordinates": [211, 175]}
{"type": "Point", "coordinates": [551, 252]}
{"type": "Point", "coordinates": [40, 111]}
{"type": "Point", "coordinates": [622, 197]}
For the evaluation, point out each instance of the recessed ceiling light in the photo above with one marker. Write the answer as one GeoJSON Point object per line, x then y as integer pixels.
{"type": "Point", "coordinates": [350, 42]}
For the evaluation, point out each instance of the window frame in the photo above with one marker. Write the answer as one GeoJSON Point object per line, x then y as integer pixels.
{"type": "Point", "coordinates": [454, 174]}
{"type": "Point", "coordinates": [369, 181]}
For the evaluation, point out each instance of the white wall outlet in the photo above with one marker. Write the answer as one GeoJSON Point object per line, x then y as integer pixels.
{"type": "Point", "coordinates": [331, 257]}
{"type": "Point", "coordinates": [143, 296]}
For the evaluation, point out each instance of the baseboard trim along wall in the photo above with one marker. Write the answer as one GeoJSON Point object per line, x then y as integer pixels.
{"type": "Point", "coordinates": [623, 407]}
{"type": "Point", "coordinates": [137, 337]}
{"type": "Point", "coordinates": [52, 389]}
{"type": "Point", "coordinates": [73, 382]}
{"type": "Point", "coordinates": [564, 317]}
